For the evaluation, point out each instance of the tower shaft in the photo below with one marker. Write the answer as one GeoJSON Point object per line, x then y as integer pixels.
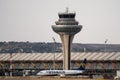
{"type": "Point", "coordinates": [66, 43]}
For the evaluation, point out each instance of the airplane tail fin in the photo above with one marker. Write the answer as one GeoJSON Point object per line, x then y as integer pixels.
{"type": "Point", "coordinates": [83, 64]}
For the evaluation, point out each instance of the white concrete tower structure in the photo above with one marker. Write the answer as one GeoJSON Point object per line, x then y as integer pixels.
{"type": "Point", "coordinates": [66, 27]}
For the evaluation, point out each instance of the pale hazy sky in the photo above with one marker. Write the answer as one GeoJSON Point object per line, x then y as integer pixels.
{"type": "Point", "coordinates": [31, 20]}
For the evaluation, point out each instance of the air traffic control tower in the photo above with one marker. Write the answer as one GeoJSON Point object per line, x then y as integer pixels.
{"type": "Point", "coordinates": [66, 27]}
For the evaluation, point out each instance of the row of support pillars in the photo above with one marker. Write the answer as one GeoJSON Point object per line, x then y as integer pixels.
{"type": "Point", "coordinates": [47, 65]}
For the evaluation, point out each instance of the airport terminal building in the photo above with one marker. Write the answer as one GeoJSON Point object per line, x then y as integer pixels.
{"type": "Point", "coordinates": [101, 63]}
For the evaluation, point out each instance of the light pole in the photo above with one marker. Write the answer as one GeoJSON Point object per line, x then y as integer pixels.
{"type": "Point", "coordinates": [54, 50]}
{"type": "Point", "coordinates": [11, 64]}
{"type": "Point", "coordinates": [106, 45]}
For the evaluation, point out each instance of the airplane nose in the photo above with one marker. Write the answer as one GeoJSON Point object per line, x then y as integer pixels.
{"type": "Point", "coordinates": [38, 73]}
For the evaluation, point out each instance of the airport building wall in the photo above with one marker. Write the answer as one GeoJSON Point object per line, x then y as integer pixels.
{"type": "Point", "coordinates": [97, 62]}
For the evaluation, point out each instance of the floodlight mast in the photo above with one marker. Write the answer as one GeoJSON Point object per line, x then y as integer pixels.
{"type": "Point", "coordinates": [54, 52]}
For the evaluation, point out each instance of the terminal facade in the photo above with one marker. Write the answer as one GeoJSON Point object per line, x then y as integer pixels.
{"type": "Point", "coordinates": [100, 63]}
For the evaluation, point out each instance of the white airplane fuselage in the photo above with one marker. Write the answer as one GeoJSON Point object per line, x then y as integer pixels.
{"type": "Point", "coordinates": [59, 72]}
{"type": "Point", "coordinates": [80, 70]}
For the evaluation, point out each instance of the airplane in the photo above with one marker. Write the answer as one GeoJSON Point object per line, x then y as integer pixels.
{"type": "Point", "coordinates": [80, 70]}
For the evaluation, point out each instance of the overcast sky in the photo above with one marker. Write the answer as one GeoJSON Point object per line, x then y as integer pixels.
{"type": "Point", "coordinates": [31, 20]}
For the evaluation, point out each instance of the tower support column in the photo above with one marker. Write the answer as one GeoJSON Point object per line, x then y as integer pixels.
{"type": "Point", "coordinates": [66, 43]}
